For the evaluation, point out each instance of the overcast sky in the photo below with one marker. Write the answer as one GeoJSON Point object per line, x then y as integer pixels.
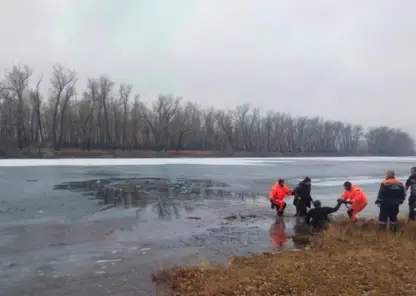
{"type": "Point", "coordinates": [349, 60]}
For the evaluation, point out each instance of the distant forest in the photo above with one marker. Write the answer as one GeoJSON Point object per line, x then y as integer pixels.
{"type": "Point", "coordinates": [109, 116]}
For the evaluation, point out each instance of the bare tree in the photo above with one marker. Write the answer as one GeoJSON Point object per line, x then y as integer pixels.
{"type": "Point", "coordinates": [101, 118]}
{"type": "Point", "coordinates": [63, 89]}
{"type": "Point", "coordinates": [388, 141]}
{"type": "Point", "coordinates": [36, 119]}
{"type": "Point", "coordinates": [15, 85]}
{"type": "Point", "coordinates": [227, 124]}
{"type": "Point", "coordinates": [164, 110]}
{"type": "Point", "coordinates": [125, 91]}
{"type": "Point", "coordinates": [105, 87]}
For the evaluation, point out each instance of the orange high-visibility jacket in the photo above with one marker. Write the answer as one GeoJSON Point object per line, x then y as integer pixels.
{"type": "Point", "coordinates": [278, 192]}
{"type": "Point", "coordinates": [355, 195]}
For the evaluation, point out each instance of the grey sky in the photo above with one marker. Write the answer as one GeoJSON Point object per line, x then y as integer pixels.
{"type": "Point", "coordinates": [348, 60]}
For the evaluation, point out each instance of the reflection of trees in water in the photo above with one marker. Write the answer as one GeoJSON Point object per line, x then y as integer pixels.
{"type": "Point", "coordinates": [188, 208]}
{"type": "Point", "coordinates": [141, 205]}
{"type": "Point", "coordinates": [165, 205]}
{"type": "Point", "coordinates": [166, 209]}
{"type": "Point", "coordinates": [249, 196]}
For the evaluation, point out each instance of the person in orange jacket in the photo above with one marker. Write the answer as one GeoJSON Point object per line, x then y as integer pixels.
{"type": "Point", "coordinates": [356, 198]}
{"type": "Point", "coordinates": [278, 192]}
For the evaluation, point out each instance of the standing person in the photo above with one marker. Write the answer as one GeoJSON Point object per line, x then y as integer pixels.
{"type": "Point", "coordinates": [278, 192]}
{"type": "Point", "coordinates": [411, 184]}
{"type": "Point", "coordinates": [303, 198]}
{"type": "Point", "coordinates": [390, 196]}
{"type": "Point", "coordinates": [357, 199]}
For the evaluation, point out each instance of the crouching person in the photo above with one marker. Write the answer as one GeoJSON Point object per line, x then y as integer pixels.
{"type": "Point", "coordinates": [318, 217]}
{"type": "Point", "coordinates": [277, 194]}
{"type": "Point", "coordinates": [356, 198]}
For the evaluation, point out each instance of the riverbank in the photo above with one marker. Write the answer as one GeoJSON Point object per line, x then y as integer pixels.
{"type": "Point", "coordinates": [346, 260]}
{"type": "Point", "coordinates": [118, 153]}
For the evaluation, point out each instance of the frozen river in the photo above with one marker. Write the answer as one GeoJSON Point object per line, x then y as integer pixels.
{"type": "Point", "coordinates": [58, 242]}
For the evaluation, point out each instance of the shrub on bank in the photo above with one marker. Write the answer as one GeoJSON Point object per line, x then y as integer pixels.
{"type": "Point", "coordinates": [345, 260]}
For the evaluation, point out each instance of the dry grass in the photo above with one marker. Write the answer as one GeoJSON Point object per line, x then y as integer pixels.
{"type": "Point", "coordinates": [345, 260]}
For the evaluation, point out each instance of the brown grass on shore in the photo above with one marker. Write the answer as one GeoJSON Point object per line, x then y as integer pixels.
{"type": "Point", "coordinates": [345, 260]}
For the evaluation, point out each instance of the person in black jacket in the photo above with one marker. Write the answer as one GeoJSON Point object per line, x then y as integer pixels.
{"type": "Point", "coordinates": [303, 198]}
{"type": "Point", "coordinates": [411, 184]}
{"type": "Point", "coordinates": [390, 196]}
{"type": "Point", "coordinates": [318, 216]}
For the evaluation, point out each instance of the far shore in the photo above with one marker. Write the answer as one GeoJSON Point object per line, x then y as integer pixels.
{"type": "Point", "coordinates": [119, 153]}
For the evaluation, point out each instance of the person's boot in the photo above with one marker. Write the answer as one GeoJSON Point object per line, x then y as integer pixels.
{"type": "Point", "coordinates": [280, 213]}
{"type": "Point", "coordinates": [412, 212]}
{"type": "Point", "coordinates": [393, 227]}
{"type": "Point", "coordinates": [349, 212]}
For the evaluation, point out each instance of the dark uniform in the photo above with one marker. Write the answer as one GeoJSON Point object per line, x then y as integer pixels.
{"type": "Point", "coordinates": [390, 196]}
{"type": "Point", "coordinates": [303, 198]}
{"type": "Point", "coordinates": [411, 184]}
{"type": "Point", "coordinates": [318, 216]}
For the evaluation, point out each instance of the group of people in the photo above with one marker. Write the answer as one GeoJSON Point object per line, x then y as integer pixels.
{"type": "Point", "coordinates": [391, 195]}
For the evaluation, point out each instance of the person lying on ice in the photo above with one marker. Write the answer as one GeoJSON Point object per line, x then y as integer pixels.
{"type": "Point", "coordinates": [277, 194]}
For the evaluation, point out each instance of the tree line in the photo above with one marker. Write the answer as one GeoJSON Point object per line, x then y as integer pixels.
{"type": "Point", "coordinates": [110, 116]}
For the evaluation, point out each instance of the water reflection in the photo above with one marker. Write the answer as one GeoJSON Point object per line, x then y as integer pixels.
{"type": "Point", "coordinates": [277, 233]}
{"type": "Point", "coordinates": [188, 208]}
{"type": "Point", "coordinates": [140, 191]}
{"type": "Point", "coordinates": [166, 210]}
{"type": "Point", "coordinates": [299, 235]}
